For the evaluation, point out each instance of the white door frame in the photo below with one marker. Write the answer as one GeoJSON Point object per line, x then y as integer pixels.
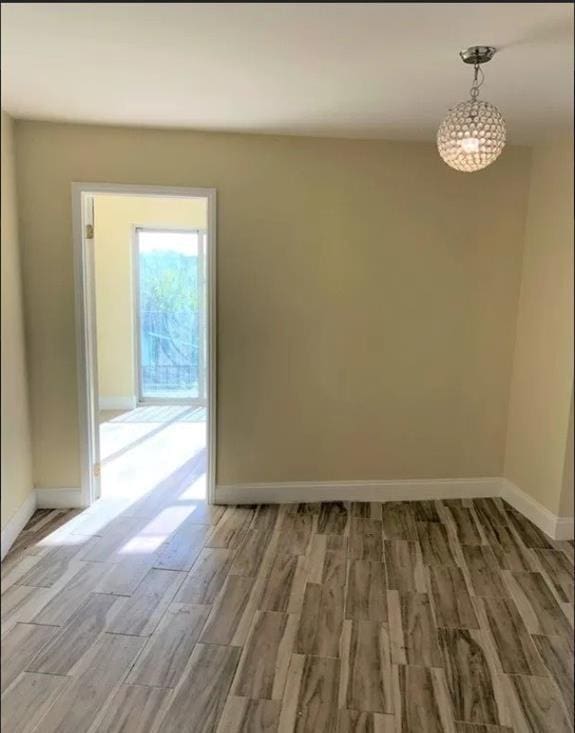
{"type": "Point", "coordinates": [87, 368]}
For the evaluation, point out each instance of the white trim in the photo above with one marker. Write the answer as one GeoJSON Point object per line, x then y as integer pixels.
{"type": "Point", "coordinates": [564, 528]}
{"type": "Point", "coordinates": [86, 359]}
{"type": "Point", "coordinates": [400, 490]}
{"type": "Point", "coordinates": [211, 371]}
{"type": "Point", "coordinates": [60, 499]}
{"type": "Point", "coordinates": [17, 523]}
{"type": "Point", "coordinates": [128, 402]}
{"type": "Point", "coordinates": [84, 365]}
{"type": "Point", "coordinates": [558, 528]}
{"type": "Point", "coordinates": [135, 287]}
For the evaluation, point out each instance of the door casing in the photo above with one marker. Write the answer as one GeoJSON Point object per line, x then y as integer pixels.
{"type": "Point", "coordinates": [83, 194]}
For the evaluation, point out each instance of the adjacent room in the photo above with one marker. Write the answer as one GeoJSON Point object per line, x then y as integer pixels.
{"type": "Point", "coordinates": [287, 368]}
{"type": "Point", "coordinates": [149, 290]}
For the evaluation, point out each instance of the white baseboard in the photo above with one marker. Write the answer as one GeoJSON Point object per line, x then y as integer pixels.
{"type": "Point", "coordinates": [17, 523]}
{"type": "Point", "coordinates": [117, 403]}
{"type": "Point", "coordinates": [401, 490]}
{"type": "Point", "coordinates": [59, 499]}
{"type": "Point", "coordinates": [564, 528]}
{"type": "Point", "coordinates": [558, 528]}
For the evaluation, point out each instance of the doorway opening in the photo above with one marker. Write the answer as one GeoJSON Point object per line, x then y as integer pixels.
{"type": "Point", "coordinates": [146, 312]}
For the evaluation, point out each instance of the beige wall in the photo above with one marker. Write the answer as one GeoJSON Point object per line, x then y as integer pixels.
{"type": "Point", "coordinates": [542, 383]}
{"type": "Point", "coordinates": [566, 508]}
{"type": "Point", "coordinates": [366, 298]}
{"type": "Point", "coordinates": [115, 218]}
{"type": "Point", "coordinates": [16, 452]}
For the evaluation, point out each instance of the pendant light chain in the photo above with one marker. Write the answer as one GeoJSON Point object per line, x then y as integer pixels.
{"type": "Point", "coordinates": [474, 91]}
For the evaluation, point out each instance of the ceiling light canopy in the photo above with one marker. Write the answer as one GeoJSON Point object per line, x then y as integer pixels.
{"type": "Point", "coordinates": [473, 134]}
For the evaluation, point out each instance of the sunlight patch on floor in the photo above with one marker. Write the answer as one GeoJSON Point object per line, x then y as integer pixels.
{"type": "Point", "coordinates": [138, 456]}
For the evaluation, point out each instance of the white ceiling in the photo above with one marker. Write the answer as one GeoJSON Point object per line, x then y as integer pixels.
{"type": "Point", "coordinates": [385, 70]}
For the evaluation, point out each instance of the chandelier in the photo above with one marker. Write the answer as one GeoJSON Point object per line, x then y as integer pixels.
{"type": "Point", "coordinates": [473, 134]}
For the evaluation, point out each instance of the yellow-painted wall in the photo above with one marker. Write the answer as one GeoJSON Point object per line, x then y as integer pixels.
{"type": "Point", "coordinates": [566, 501]}
{"type": "Point", "coordinates": [16, 451]}
{"type": "Point", "coordinates": [367, 298]}
{"type": "Point", "coordinates": [542, 383]}
{"type": "Point", "coordinates": [115, 218]}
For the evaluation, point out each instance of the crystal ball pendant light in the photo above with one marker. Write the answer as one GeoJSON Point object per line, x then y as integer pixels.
{"type": "Point", "coordinates": [473, 134]}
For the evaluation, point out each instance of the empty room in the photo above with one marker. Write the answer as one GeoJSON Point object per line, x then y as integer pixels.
{"type": "Point", "coordinates": [287, 368]}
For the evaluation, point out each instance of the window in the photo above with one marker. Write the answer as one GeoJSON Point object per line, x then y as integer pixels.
{"type": "Point", "coordinates": [170, 314]}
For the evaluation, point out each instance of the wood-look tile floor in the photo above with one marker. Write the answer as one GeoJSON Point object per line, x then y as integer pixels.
{"type": "Point", "coordinates": [175, 616]}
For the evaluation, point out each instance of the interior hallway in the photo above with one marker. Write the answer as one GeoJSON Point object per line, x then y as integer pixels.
{"type": "Point", "coordinates": [171, 615]}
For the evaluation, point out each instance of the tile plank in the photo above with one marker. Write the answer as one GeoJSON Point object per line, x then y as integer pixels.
{"type": "Point", "coordinates": [468, 677]}
{"type": "Point", "coordinates": [413, 631]}
{"type": "Point", "coordinates": [425, 511]}
{"type": "Point", "coordinates": [227, 611]}
{"type": "Point", "coordinates": [206, 578]}
{"type": "Point", "coordinates": [242, 715]}
{"type": "Point", "coordinates": [55, 563]}
{"type": "Point", "coordinates": [134, 709]}
{"type": "Point", "coordinates": [279, 583]}
{"type": "Point", "coordinates": [28, 699]}
{"type": "Point", "coordinates": [513, 645]}
{"type": "Point", "coordinates": [557, 655]}
{"type": "Point", "coordinates": [181, 550]}
{"type": "Point", "coordinates": [63, 605]}
{"type": "Point", "coordinates": [483, 572]}
{"type": "Point", "coordinates": [490, 511]}
{"type": "Point", "coordinates": [332, 518]}
{"type": "Point", "coordinates": [463, 522]}
{"type": "Point", "coordinates": [436, 548]}
{"type": "Point", "coordinates": [200, 697]}
{"type": "Point", "coordinates": [318, 694]}
{"type": "Point", "coordinates": [404, 566]}
{"type": "Point", "coordinates": [68, 647]}
{"type": "Point", "coordinates": [77, 708]}
{"type": "Point", "coordinates": [558, 571]}
{"type": "Point", "coordinates": [295, 532]}
{"type": "Point", "coordinates": [119, 537]}
{"type": "Point", "coordinates": [365, 539]}
{"type": "Point", "coordinates": [354, 721]}
{"type": "Point", "coordinates": [530, 535]}
{"type": "Point", "coordinates": [321, 620]}
{"type": "Point", "coordinates": [263, 667]}
{"type": "Point", "coordinates": [265, 517]}
{"type": "Point", "coordinates": [23, 604]}
{"type": "Point", "coordinates": [231, 529]}
{"type": "Point", "coordinates": [20, 646]}
{"type": "Point", "coordinates": [334, 567]}
{"type": "Point", "coordinates": [510, 552]}
{"type": "Point", "coordinates": [366, 598]}
{"type": "Point", "coordinates": [165, 656]}
{"type": "Point", "coordinates": [398, 521]}
{"type": "Point", "coordinates": [249, 555]}
{"type": "Point", "coordinates": [140, 613]}
{"type": "Point", "coordinates": [540, 611]}
{"type": "Point", "coordinates": [474, 728]}
{"type": "Point", "coordinates": [535, 705]}
{"type": "Point", "coordinates": [421, 701]}
{"type": "Point", "coordinates": [367, 666]}
{"type": "Point", "coordinates": [451, 600]}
